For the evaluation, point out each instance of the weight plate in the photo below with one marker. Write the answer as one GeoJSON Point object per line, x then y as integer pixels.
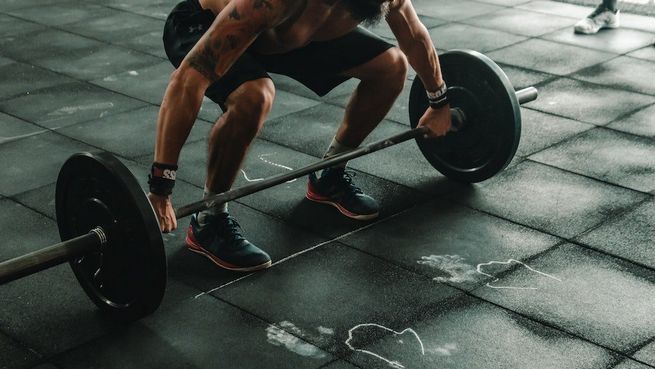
{"type": "Point", "coordinates": [127, 278]}
{"type": "Point", "coordinates": [488, 141]}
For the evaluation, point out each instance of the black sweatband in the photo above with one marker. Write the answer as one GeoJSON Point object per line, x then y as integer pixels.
{"type": "Point", "coordinates": [162, 178]}
{"type": "Point", "coordinates": [439, 103]}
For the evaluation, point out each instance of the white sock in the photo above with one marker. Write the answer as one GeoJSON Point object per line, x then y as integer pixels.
{"type": "Point", "coordinates": [204, 214]}
{"type": "Point", "coordinates": [337, 148]}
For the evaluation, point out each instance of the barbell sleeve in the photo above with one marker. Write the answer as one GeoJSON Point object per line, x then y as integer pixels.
{"type": "Point", "coordinates": [50, 256]}
{"type": "Point", "coordinates": [527, 94]}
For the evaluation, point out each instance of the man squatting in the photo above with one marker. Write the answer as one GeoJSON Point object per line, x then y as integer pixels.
{"type": "Point", "coordinates": [223, 49]}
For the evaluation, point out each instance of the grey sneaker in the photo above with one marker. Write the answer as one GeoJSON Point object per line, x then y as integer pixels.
{"type": "Point", "coordinates": [597, 20]}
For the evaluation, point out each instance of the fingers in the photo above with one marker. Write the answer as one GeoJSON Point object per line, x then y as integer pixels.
{"type": "Point", "coordinates": [164, 212]}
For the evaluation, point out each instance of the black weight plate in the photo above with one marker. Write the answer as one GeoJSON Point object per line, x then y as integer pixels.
{"type": "Point", "coordinates": [127, 278]}
{"type": "Point", "coordinates": [488, 141]}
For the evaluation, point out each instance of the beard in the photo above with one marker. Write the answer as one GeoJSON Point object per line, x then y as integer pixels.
{"type": "Point", "coordinates": [369, 12]}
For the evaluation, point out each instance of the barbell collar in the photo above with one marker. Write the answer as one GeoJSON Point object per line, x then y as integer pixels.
{"type": "Point", "coordinates": [50, 256]}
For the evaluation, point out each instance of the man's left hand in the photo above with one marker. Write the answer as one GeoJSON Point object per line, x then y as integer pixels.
{"type": "Point", "coordinates": [438, 121]}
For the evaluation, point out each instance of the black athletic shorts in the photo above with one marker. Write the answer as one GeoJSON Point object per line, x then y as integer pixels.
{"type": "Point", "coordinates": [317, 65]}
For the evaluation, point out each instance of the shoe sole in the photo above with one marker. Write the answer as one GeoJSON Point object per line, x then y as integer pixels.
{"type": "Point", "coordinates": [193, 246]}
{"type": "Point", "coordinates": [592, 32]}
{"type": "Point", "coordinates": [341, 209]}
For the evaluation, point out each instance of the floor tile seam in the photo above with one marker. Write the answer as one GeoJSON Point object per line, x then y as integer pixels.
{"type": "Point", "coordinates": [511, 269]}
{"type": "Point", "coordinates": [55, 357]}
{"type": "Point", "coordinates": [404, 186]}
{"type": "Point", "coordinates": [616, 352]}
{"type": "Point", "coordinates": [62, 28]}
{"type": "Point", "coordinates": [641, 346]}
{"type": "Point", "coordinates": [540, 110]}
{"type": "Point", "coordinates": [571, 240]}
{"type": "Point", "coordinates": [336, 353]}
{"type": "Point", "coordinates": [265, 321]}
{"type": "Point", "coordinates": [550, 76]}
{"type": "Point", "coordinates": [620, 214]}
{"type": "Point", "coordinates": [39, 359]}
{"type": "Point", "coordinates": [590, 10]}
{"type": "Point", "coordinates": [57, 130]}
{"type": "Point", "coordinates": [623, 187]}
{"type": "Point", "coordinates": [528, 37]}
{"type": "Point", "coordinates": [327, 365]}
{"type": "Point", "coordinates": [75, 80]}
{"type": "Point", "coordinates": [614, 53]}
{"type": "Point", "coordinates": [572, 76]}
{"type": "Point", "coordinates": [471, 294]}
{"type": "Point", "coordinates": [109, 6]}
{"type": "Point", "coordinates": [571, 138]}
{"type": "Point", "coordinates": [326, 241]}
{"type": "Point", "coordinates": [603, 127]}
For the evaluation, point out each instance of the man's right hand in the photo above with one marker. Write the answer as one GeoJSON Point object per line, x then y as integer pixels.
{"type": "Point", "coordinates": [164, 211]}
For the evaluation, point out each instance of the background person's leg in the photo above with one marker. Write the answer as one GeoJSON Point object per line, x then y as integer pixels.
{"type": "Point", "coordinates": [606, 15]}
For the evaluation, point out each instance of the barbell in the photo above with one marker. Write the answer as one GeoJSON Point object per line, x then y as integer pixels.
{"type": "Point", "coordinates": [111, 236]}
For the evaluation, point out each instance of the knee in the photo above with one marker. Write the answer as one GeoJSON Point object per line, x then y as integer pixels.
{"type": "Point", "coordinates": [397, 67]}
{"type": "Point", "coordinates": [251, 105]}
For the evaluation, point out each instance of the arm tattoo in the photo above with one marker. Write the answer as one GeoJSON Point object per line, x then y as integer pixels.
{"type": "Point", "coordinates": [205, 60]}
{"type": "Point", "coordinates": [258, 4]}
{"type": "Point", "coordinates": [235, 14]}
{"type": "Point", "coordinates": [232, 41]}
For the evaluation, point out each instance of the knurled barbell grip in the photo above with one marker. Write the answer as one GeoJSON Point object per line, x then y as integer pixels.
{"type": "Point", "coordinates": [50, 256]}
{"type": "Point", "coordinates": [524, 95]}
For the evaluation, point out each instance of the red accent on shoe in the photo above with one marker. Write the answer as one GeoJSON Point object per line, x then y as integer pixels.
{"type": "Point", "coordinates": [313, 196]}
{"type": "Point", "coordinates": [193, 245]}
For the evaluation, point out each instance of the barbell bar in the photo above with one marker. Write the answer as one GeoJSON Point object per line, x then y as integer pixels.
{"type": "Point", "coordinates": [111, 237]}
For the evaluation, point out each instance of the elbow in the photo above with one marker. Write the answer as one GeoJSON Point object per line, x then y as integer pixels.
{"type": "Point", "coordinates": [186, 78]}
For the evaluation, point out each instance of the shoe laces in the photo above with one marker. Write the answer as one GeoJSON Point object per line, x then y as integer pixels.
{"type": "Point", "coordinates": [346, 182]}
{"type": "Point", "coordinates": [228, 227]}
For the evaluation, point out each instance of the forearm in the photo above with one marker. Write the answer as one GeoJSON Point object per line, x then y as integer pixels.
{"type": "Point", "coordinates": [422, 56]}
{"type": "Point", "coordinates": [177, 115]}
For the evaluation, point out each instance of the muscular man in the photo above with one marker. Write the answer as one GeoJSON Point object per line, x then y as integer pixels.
{"type": "Point", "coordinates": [224, 48]}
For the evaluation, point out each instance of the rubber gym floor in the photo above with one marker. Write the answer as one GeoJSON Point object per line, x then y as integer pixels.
{"type": "Point", "coordinates": [550, 264]}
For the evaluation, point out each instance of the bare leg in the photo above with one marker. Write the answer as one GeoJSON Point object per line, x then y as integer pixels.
{"type": "Point", "coordinates": [230, 138]}
{"type": "Point", "coordinates": [611, 4]}
{"type": "Point", "coordinates": [382, 80]}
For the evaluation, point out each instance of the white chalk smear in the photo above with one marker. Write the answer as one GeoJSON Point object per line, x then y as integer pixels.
{"type": "Point", "coordinates": [261, 157]}
{"type": "Point", "coordinates": [479, 266]}
{"type": "Point", "coordinates": [68, 110]}
{"type": "Point", "coordinates": [110, 79]}
{"type": "Point", "coordinates": [280, 337]}
{"type": "Point", "coordinates": [454, 265]}
{"type": "Point", "coordinates": [393, 364]}
{"type": "Point", "coordinates": [248, 179]}
{"type": "Point", "coordinates": [445, 350]}
{"type": "Point", "coordinates": [14, 138]}
{"type": "Point", "coordinates": [133, 73]}
{"type": "Point", "coordinates": [325, 330]}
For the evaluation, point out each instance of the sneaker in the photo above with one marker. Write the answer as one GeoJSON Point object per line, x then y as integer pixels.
{"type": "Point", "coordinates": [335, 187]}
{"type": "Point", "coordinates": [220, 240]}
{"type": "Point", "coordinates": [597, 20]}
